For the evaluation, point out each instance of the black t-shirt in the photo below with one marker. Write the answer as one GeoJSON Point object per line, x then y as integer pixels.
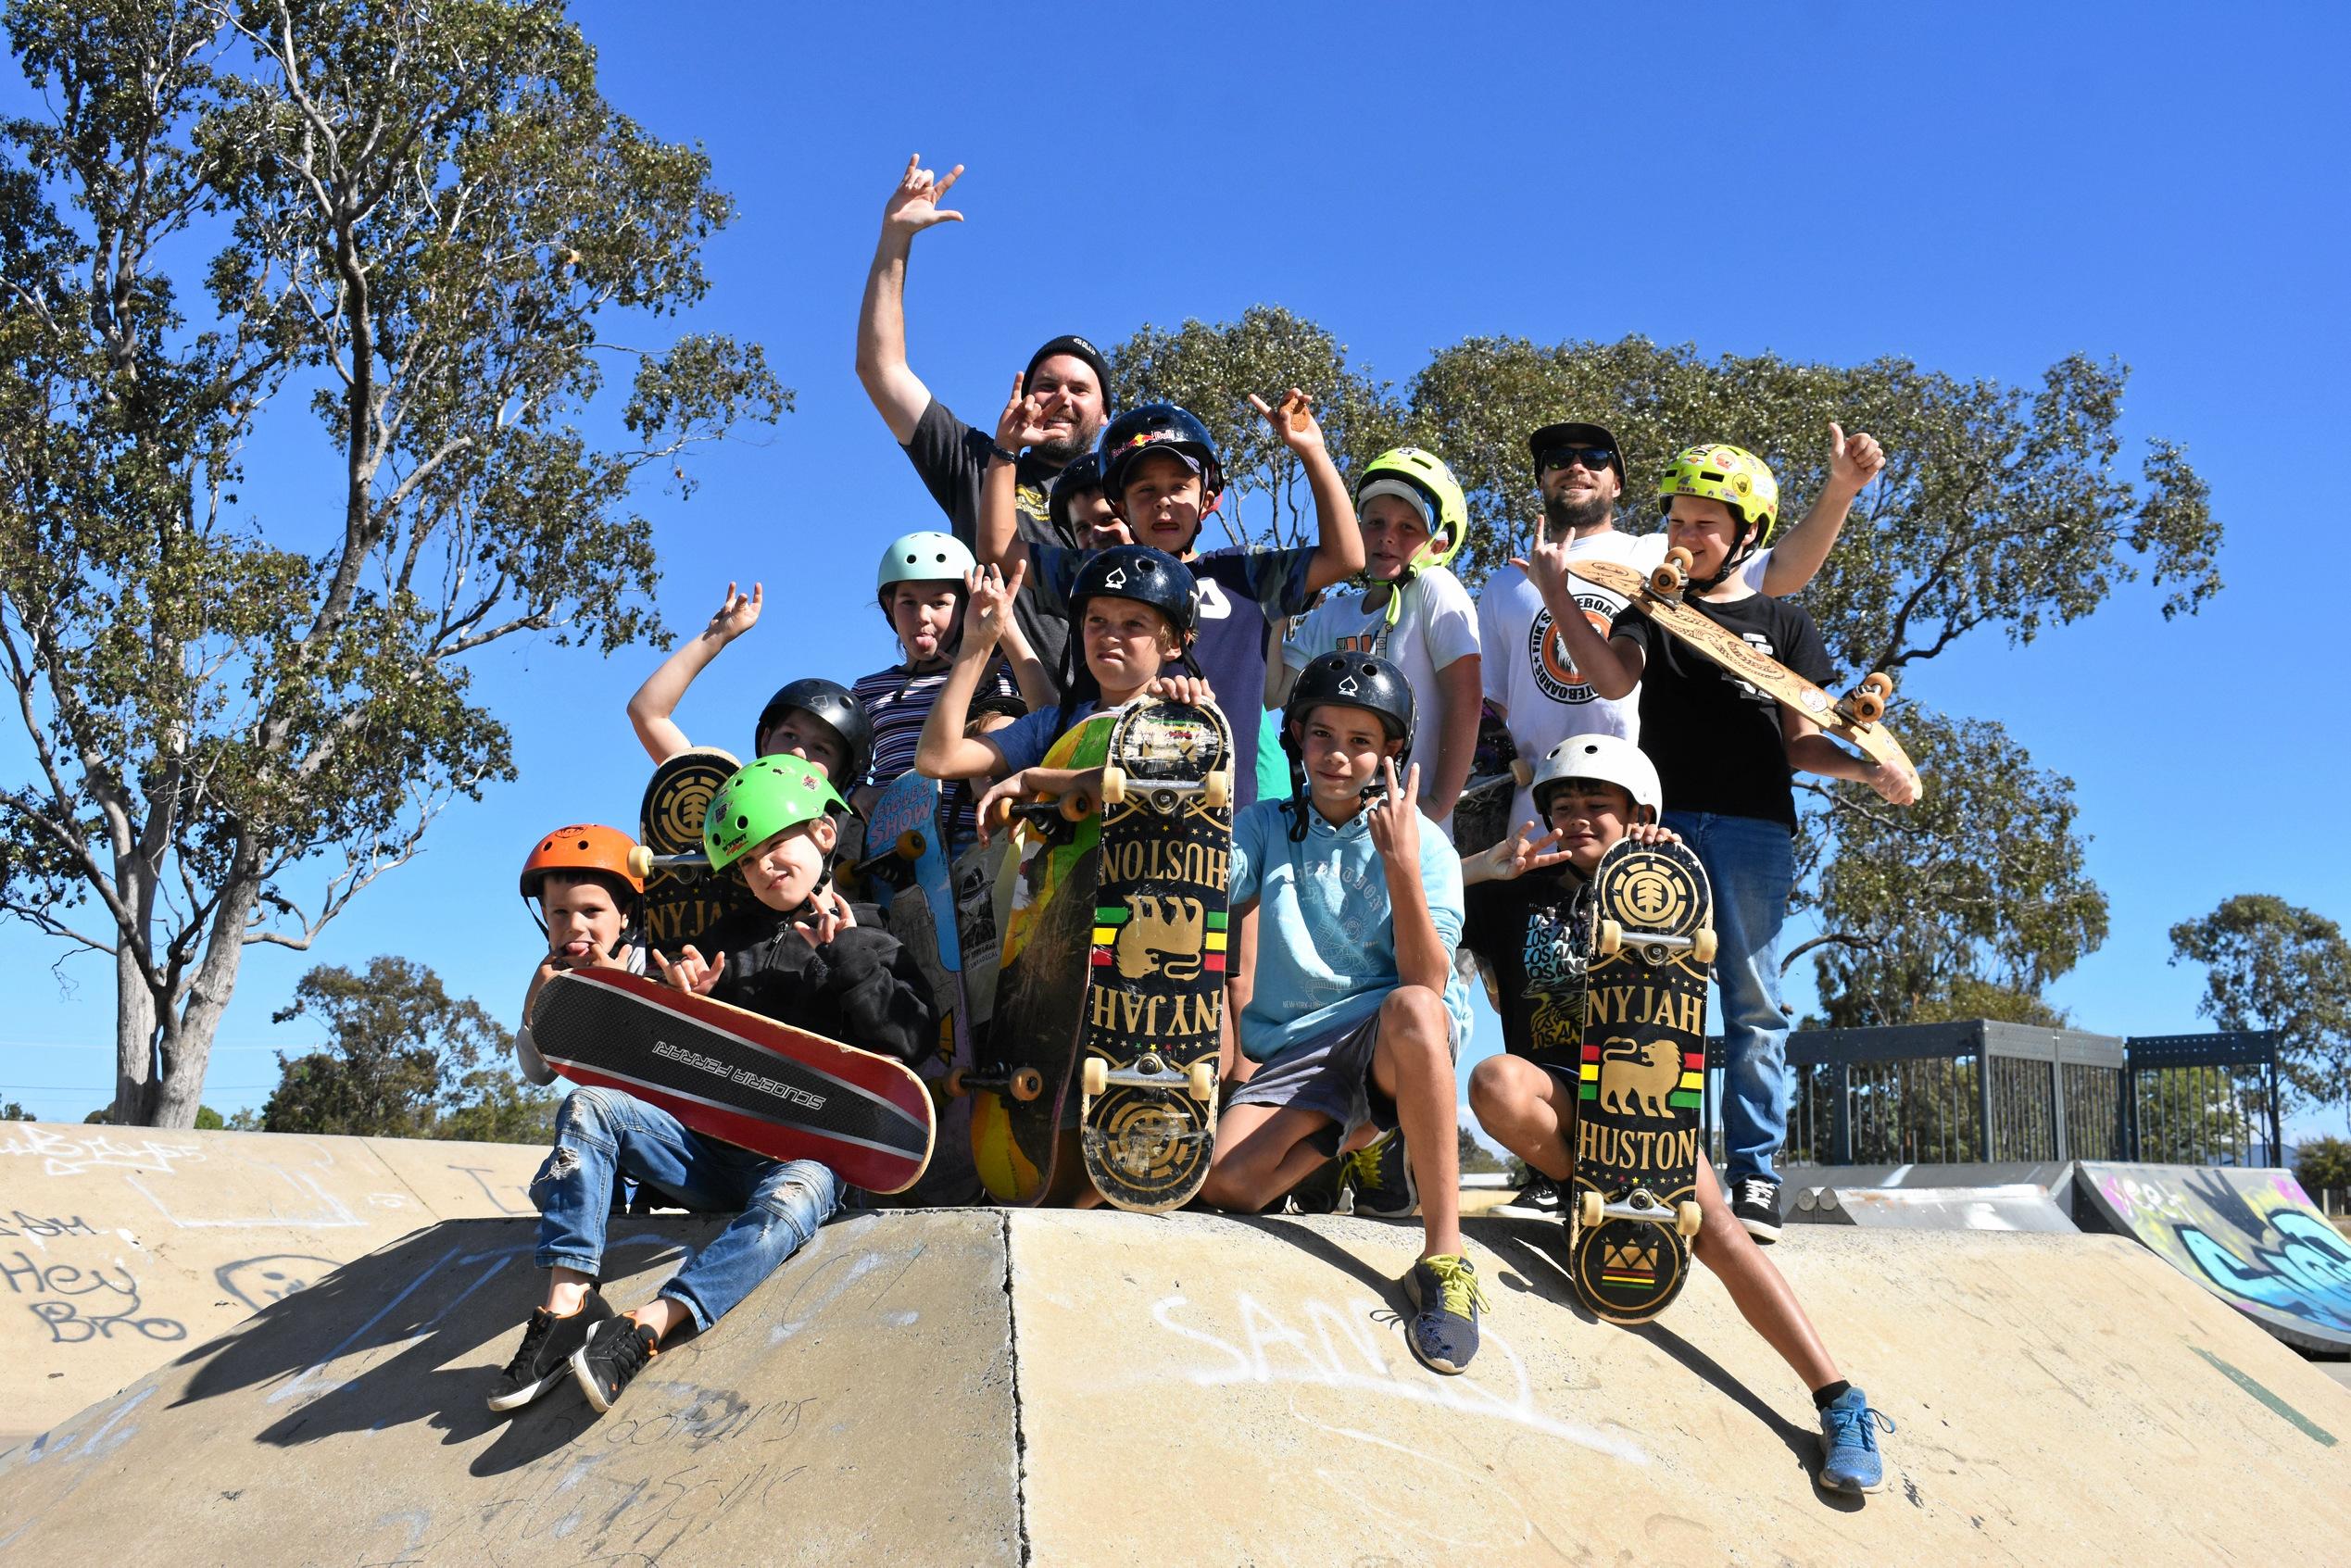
{"type": "Point", "coordinates": [952, 458]}
{"type": "Point", "coordinates": [1526, 929]}
{"type": "Point", "coordinates": [1714, 738]}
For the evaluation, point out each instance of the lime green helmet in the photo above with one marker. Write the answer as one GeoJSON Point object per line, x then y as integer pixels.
{"type": "Point", "coordinates": [1736, 477]}
{"type": "Point", "coordinates": [1423, 480]}
{"type": "Point", "coordinates": [759, 800]}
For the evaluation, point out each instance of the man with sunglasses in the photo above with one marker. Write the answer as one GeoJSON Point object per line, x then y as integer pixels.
{"type": "Point", "coordinates": [1527, 675]}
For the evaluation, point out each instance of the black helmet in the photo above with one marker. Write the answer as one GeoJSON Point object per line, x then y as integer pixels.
{"type": "Point", "coordinates": [1138, 571]}
{"type": "Point", "coordinates": [1158, 427]}
{"type": "Point", "coordinates": [830, 702]}
{"type": "Point", "coordinates": [1084, 473]}
{"type": "Point", "coordinates": [1354, 680]}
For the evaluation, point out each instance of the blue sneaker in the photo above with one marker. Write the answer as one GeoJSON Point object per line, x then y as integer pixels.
{"type": "Point", "coordinates": [1446, 1300]}
{"type": "Point", "coordinates": [1381, 1174]}
{"type": "Point", "coordinates": [1849, 1458]}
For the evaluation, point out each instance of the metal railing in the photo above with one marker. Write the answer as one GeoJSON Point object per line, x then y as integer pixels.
{"type": "Point", "coordinates": [1979, 1092]}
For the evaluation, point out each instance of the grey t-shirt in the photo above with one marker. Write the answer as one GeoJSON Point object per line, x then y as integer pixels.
{"type": "Point", "coordinates": [952, 457]}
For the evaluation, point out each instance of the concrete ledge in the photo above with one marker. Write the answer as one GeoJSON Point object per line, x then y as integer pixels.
{"type": "Point", "coordinates": [975, 1387]}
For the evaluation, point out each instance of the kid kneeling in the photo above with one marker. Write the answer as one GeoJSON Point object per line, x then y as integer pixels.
{"type": "Point", "coordinates": [1356, 1013]}
{"type": "Point", "coordinates": [1596, 790]}
{"type": "Point", "coordinates": [793, 958]}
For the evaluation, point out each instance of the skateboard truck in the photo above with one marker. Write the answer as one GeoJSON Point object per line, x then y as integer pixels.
{"type": "Point", "coordinates": [1024, 1085]}
{"type": "Point", "coordinates": [643, 862]}
{"type": "Point", "coordinates": [904, 850]}
{"type": "Point", "coordinates": [1637, 1204]}
{"type": "Point", "coordinates": [1865, 704]}
{"type": "Point", "coordinates": [1214, 790]}
{"type": "Point", "coordinates": [1149, 1071]}
{"type": "Point", "coordinates": [1612, 938]}
{"type": "Point", "coordinates": [1671, 575]}
{"type": "Point", "coordinates": [1050, 819]}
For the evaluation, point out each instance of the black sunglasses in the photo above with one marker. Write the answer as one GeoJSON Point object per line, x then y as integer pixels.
{"type": "Point", "coordinates": [1595, 458]}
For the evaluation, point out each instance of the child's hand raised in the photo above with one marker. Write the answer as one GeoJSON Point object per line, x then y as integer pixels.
{"type": "Point", "coordinates": [914, 207]}
{"type": "Point", "coordinates": [1022, 424]}
{"type": "Point", "coordinates": [1516, 855]}
{"type": "Point", "coordinates": [1394, 819]}
{"type": "Point", "coordinates": [991, 602]}
{"type": "Point", "coordinates": [829, 918]}
{"type": "Point", "coordinates": [736, 616]}
{"type": "Point", "coordinates": [1853, 460]}
{"type": "Point", "coordinates": [1293, 421]}
{"type": "Point", "coordinates": [690, 973]}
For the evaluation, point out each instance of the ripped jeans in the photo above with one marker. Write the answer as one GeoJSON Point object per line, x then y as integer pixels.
{"type": "Point", "coordinates": [602, 1133]}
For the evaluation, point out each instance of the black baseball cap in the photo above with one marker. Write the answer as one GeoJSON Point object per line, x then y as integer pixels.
{"type": "Point", "coordinates": [1575, 435]}
{"type": "Point", "coordinates": [1071, 344]}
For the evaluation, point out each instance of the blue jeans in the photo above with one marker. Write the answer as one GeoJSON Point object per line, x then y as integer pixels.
{"type": "Point", "coordinates": [1751, 863]}
{"type": "Point", "coordinates": [602, 1133]}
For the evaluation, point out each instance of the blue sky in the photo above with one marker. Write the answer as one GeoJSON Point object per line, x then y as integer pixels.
{"type": "Point", "coordinates": [1983, 189]}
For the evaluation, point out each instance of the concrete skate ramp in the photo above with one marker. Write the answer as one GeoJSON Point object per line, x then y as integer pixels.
{"type": "Point", "coordinates": [970, 1387]}
{"type": "Point", "coordinates": [122, 1246]}
{"type": "Point", "coordinates": [2252, 1237]}
{"type": "Point", "coordinates": [2019, 1206]}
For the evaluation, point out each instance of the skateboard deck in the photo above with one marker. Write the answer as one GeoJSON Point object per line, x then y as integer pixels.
{"type": "Point", "coordinates": [1853, 717]}
{"type": "Point", "coordinates": [1031, 1046]}
{"type": "Point", "coordinates": [1641, 1083]}
{"type": "Point", "coordinates": [1155, 1007]}
{"type": "Point", "coordinates": [1482, 817]}
{"type": "Point", "coordinates": [683, 896]}
{"type": "Point", "coordinates": [739, 1076]}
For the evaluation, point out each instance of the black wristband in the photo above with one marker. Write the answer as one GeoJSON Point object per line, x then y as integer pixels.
{"type": "Point", "coordinates": [1012, 458]}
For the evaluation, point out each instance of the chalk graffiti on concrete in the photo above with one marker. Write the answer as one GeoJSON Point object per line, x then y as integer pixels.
{"type": "Point", "coordinates": [79, 1306]}
{"type": "Point", "coordinates": [257, 1282]}
{"type": "Point", "coordinates": [71, 1154]}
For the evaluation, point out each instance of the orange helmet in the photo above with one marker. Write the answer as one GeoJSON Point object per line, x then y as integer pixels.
{"type": "Point", "coordinates": [584, 847]}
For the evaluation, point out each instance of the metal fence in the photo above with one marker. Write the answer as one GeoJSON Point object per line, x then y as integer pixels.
{"type": "Point", "coordinates": [1979, 1091]}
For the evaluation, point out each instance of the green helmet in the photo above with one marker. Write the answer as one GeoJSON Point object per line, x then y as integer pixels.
{"type": "Point", "coordinates": [1736, 477]}
{"type": "Point", "coordinates": [926, 555]}
{"type": "Point", "coordinates": [759, 800]}
{"type": "Point", "coordinates": [1422, 479]}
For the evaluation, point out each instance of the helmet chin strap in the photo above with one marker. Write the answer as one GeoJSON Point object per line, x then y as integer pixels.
{"type": "Point", "coordinates": [1740, 552]}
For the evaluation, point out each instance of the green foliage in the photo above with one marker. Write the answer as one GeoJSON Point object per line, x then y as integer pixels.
{"type": "Point", "coordinates": [1475, 1158]}
{"type": "Point", "coordinates": [2324, 1165]}
{"type": "Point", "coordinates": [208, 1119]}
{"type": "Point", "coordinates": [404, 1059]}
{"type": "Point", "coordinates": [1974, 897]}
{"type": "Point", "coordinates": [421, 221]}
{"type": "Point", "coordinates": [2274, 965]}
{"type": "Point", "coordinates": [12, 1112]}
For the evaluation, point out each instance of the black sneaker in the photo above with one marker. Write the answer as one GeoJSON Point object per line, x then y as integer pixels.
{"type": "Point", "coordinates": [1539, 1199]}
{"type": "Point", "coordinates": [615, 1353]}
{"type": "Point", "coordinates": [1755, 1203]}
{"type": "Point", "coordinates": [549, 1342]}
{"type": "Point", "coordinates": [1318, 1193]}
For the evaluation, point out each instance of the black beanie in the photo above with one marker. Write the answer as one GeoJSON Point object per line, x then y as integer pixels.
{"type": "Point", "coordinates": [1070, 343]}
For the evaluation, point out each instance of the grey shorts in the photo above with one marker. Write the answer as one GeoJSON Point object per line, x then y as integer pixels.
{"type": "Point", "coordinates": [1331, 1077]}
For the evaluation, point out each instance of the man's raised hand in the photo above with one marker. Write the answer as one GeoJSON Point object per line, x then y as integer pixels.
{"type": "Point", "coordinates": [1545, 562]}
{"type": "Point", "coordinates": [914, 207]}
{"type": "Point", "coordinates": [1853, 460]}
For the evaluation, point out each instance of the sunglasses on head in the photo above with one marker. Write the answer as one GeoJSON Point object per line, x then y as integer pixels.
{"type": "Point", "coordinates": [1593, 458]}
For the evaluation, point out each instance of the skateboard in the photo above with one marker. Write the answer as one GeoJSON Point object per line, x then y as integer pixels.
{"type": "Point", "coordinates": [1482, 817]}
{"type": "Point", "coordinates": [907, 873]}
{"type": "Point", "coordinates": [1641, 1083]}
{"type": "Point", "coordinates": [1853, 717]}
{"type": "Point", "coordinates": [1155, 1005]}
{"type": "Point", "coordinates": [1020, 1083]}
{"type": "Point", "coordinates": [739, 1076]}
{"type": "Point", "coordinates": [683, 896]}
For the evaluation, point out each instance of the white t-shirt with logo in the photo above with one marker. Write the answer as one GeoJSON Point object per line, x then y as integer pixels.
{"type": "Point", "coordinates": [1434, 626]}
{"type": "Point", "coordinates": [1528, 675]}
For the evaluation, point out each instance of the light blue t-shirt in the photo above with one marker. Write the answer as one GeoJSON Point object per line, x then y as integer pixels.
{"type": "Point", "coordinates": [1025, 741]}
{"type": "Point", "coordinates": [1325, 946]}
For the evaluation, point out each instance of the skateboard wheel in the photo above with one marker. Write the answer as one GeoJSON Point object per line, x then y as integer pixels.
{"type": "Point", "coordinates": [1588, 1209]}
{"type": "Point", "coordinates": [999, 813]}
{"type": "Point", "coordinates": [1611, 939]}
{"type": "Point", "coordinates": [1522, 772]}
{"type": "Point", "coordinates": [955, 1084]}
{"type": "Point", "coordinates": [1701, 944]}
{"type": "Point", "coordinates": [640, 862]}
{"type": "Point", "coordinates": [1113, 784]}
{"type": "Point", "coordinates": [1203, 1081]}
{"type": "Point", "coordinates": [1217, 789]}
{"type": "Point", "coordinates": [1672, 574]}
{"type": "Point", "coordinates": [1868, 706]}
{"type": "Point", "coordinates": [1028, 1084]}
{"type": "Point", "coordinates": [1687, 1218]}
{"type": "Point", "coordinates": [1094, 1077]}
{"type": "Point", "coordinates": [1880, 681]}
{"type": "Point", "coordinates": [1076, 806]}
{"type": "Point", "coordinates": [909, 846]}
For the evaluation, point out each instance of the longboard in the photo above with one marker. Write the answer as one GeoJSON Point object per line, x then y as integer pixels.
{"type": "Point", "coordinates": [739, 1076]}
{"type": "Point", "coordinates": [683, 896]}
{"type": "Point", "coordinates": [1640, 1088]}
{"type": "Point", "coordinates": [1659, 596]}
{"type": "Point", "coordinates": [1155, 1001]}
{"type": "Point", "coordinates": [1026, 1060]}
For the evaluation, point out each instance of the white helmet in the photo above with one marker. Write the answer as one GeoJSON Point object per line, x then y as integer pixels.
{"type": "Point", "coordinates": [1608, 759]}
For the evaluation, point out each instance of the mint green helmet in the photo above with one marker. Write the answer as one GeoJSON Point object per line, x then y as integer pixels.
{"type": "Point", "coordinates": [759, 800]}
{"type": "Point", "coordinates": [927, 555]}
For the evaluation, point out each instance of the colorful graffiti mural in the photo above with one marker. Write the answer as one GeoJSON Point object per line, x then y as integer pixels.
{"type": "Point", "coordinates": [2251, 1238]}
